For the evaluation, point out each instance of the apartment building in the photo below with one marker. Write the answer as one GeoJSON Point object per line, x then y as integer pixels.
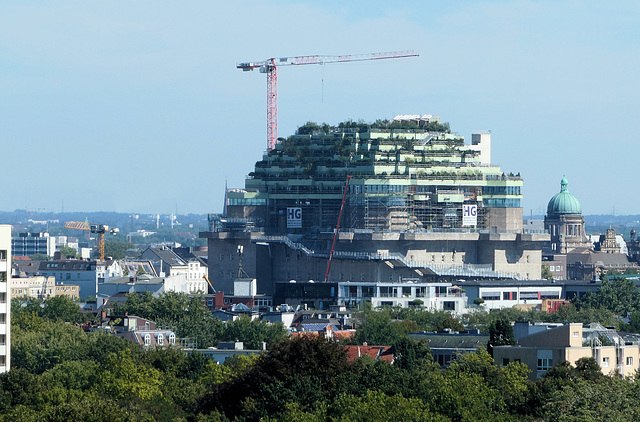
{"type": "Point", "coordinates": [5, 297]}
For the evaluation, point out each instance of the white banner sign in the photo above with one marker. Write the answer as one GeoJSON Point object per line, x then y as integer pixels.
{"type": "Point", "coordinates": [469, 215]}
{"type": "Point", "coordinates": [294, 218]}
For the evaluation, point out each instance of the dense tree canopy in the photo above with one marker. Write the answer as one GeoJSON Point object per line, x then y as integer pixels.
{"type": "Point", "coordinates": [61, 372]}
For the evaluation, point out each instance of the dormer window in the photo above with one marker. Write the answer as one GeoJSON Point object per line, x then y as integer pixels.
{"type": "Point", "coordinates": [147, 339]}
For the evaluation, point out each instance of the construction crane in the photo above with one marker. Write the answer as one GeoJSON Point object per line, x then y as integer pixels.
{"type": "Point", "coordinates": [335, 235]}
{"type": "Point", "coordinates": [99, 229]}
{"type": "Point", "coordinates": [270, 66]}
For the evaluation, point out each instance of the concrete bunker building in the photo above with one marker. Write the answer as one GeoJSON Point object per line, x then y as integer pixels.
{"type": "Point", "coordinates": [422, 206]}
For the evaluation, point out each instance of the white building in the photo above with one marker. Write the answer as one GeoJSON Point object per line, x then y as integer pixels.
{"type": "Point", "coordinates": [498, 294]}
{"type": "Point", "coordinates": [5, 297]}
{"type": "Point", "coordinates": [432, 296]}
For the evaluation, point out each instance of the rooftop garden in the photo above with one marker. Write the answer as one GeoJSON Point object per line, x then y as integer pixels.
{"type": "Point", "coordinates": [360, 126]}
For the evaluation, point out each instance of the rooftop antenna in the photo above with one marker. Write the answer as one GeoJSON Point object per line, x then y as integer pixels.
{"type": "Point", "coordinates": [241, 272]}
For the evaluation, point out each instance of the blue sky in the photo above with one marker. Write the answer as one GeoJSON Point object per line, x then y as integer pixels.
{"type": "Point", "coordinates": [138, 107]}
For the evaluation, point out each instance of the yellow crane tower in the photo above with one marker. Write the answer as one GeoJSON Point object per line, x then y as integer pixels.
{"type": "Point", "coordinates": [99, 229]}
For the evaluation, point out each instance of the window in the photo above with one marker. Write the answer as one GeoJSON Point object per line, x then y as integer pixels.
{"type": "Point", "coordinates": [629, 361]}
{"type": "Point", "coordinates": [160, 339]}
{"type": "Point", "coordinates": [367, 291]}
{"type": "Point", "coordinates": [605, 362]}
{"type": "Point", "coordinates": [449, 306]}
{"type": "Point", "coordinates": [172, 338]}
{"type": "Point", "coordinates": [505, 361]}
{"type": "Point", "coordinates": [544, 364]}
{"type": "Point", "coordinates": [147, 339]}
{"type": "Point", "coordinates": [576, 334]}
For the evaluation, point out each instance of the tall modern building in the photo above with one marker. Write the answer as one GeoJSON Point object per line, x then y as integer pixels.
{"type": "Point", "coordinates": [415, 203]}
{"type": "Point", "coordinates": [5, 297]}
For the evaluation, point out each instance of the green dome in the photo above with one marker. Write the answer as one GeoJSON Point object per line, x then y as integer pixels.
{"type": "Point", "coordinates": [563, 203]}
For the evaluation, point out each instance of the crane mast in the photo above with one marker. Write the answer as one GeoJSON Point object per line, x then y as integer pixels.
{"type": "Point", "coordinates": [99, 229]}
{"type": "Point", "coordinates": [335, 234]}
{"type": "Point", "coordinates": [270, 66]}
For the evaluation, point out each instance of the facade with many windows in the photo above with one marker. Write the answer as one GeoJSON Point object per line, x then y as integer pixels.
{"type": "Point", "coordinates": [5, 298]}
{"type": "Point", "coordinates": [414, 201]}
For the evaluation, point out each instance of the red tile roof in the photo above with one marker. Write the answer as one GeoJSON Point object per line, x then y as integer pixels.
{"type": "Point", "coordinates": [375, 352]}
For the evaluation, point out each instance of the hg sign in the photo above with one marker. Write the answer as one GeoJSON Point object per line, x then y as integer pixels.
{"type": "Point", "coordinates": [469, 215]}
{"type": "Point", "coordinates": [294, 218]}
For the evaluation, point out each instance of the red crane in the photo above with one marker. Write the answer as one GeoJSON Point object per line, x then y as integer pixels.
{"type": "Point", "coordinates": [335, 235]}
{"type": "Point", "coordinates": [269, 67]}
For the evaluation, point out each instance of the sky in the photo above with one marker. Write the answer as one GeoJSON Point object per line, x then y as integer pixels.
{"type": "Point", "coordinates": [138, 106]}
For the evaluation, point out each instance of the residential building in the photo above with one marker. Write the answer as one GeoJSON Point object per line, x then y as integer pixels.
{"type": "Point", "coordinates": [42, 287]}
{"type": "Point", "coordinates": [165, 261]}
{"type": "Point", "coordinates": [542, 346]}
{"type": "Point", "coordinates": [141, 331]}
{"type": "Point", "coordinates": [145, 282]}
{"type": "Point", "coordinates": [498, 294]}
{"type": "Point", "coordinates": [418, 203]}
{"type": "Point", "coordinates": [384, 353]}
{"type": "Point", "coordinates": [86, 274]}
{"type": "Point", "coordinates": [433, 296]}
{"type": "Point", "coordinates": [29, 244]}
{"type": "Point", "coordinates": [5, 298]}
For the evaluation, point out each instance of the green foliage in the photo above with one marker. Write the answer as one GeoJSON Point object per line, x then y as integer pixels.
{"type": "Point", "coordinates": [31, 312]}
{"type": "Point", "coordinates": [68, 252]}
{"type": "Point", "coordinates": [501, 333]}
{"type": "Point", "coordinates": [116, 249]}
{"type": "Point", "coordinates": [619, 295]}
{"type": "Point", "coordinates": [124, 378]}
{"type": "Point", "coordinates": [190, 318]}
{"type": "Point", "coordinates": [545, 272]}
{"type": "Point", "coordinates": [59, 372]}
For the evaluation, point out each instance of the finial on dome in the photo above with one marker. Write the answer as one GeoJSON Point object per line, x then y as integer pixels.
{"type": "Point", "coordinates": [564, 184]}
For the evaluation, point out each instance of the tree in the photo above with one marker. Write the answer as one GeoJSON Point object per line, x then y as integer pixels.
{"type": "Point", "coordinates": [545, 272]}
{"type": "Point", "coordinates": [116, 250]}
{"type": "Point", "coordinates": [619, 295]}
{"type": "Point", "coordinates": [61, 308]}
{"type": "Point", "coordinates": [302, 370]}
{"type": "Point", "coordinates": [123, 377]}
{"type": "Point", "coordinates": [68, 252]}
{"type": "Point", "coordinates": [500, 334]}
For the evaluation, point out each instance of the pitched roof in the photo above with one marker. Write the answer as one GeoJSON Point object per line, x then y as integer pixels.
{"type": "Point", "coordinates": [375, 352]}
{"type": "Point", "coordinates": [615, 259]}
{"type": "Point", "coordinates": [168, 256]}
